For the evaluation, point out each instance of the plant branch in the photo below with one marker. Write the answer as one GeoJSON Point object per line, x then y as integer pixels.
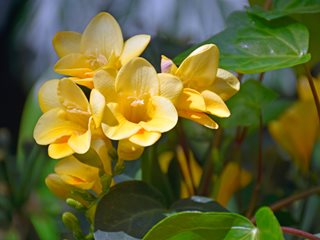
{"type": "Point", "coordinates": [257, 187]}
{"type": "Point", "coordinates": [291, 199]}
{"type": "Point", "coordinates": [313, 90]}
{"type": "Point", "coordinates": [299, 233]}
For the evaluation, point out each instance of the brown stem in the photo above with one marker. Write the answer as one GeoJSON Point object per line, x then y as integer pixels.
{"type": "Point", "coordinates": [299, 233]}
{"type": "Point", "coordinates": [267, 5]}
{"type": "Point", "coordinates": [313, 90]}
{"type": "Point", "coordinates": [257, 187]}
{"type": "Point", "coordinates": [289, 200]}
{"type": "Point", "coordinates": [261, 76]}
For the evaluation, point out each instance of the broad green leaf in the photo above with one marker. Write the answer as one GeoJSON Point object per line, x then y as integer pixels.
{"type": "Point", "coordinates": [197, 203]}
{"type": "Point", "coordinates": [252, 45]}
{"type": "Point", "coordinates": [282, 8]}
{"type": "Point", "coordinates": [246, 105]}
{"type": "Point", "coordinates": [198, 226]}
{"type": "Point", "coordinates": [132, 207]}
{"type": "Point", "coordinates": [45, 226]}
{"type": "Point", "coordinates": [268, 225]}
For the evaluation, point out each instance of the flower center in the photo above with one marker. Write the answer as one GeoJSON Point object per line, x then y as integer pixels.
{"type": "Point", "coordinates": [135, 109]}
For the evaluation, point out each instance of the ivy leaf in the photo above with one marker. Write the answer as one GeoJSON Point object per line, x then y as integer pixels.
{"type": "Point", "coordinates": [195, 225]}
{"type": "Point", "coordinates": [282, 8]}
{"type": "Point", "coordinates": [268, 225]}
{"type": "Point", "coordinates": [252, 45]}
{"type": "Point", "coordinates": [246, 105]}
{"type": "Point", "coordinates": [132, 207]}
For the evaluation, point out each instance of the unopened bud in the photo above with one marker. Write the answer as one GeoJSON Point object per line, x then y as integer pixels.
{"type": "Point", "coordinates": [75, 204]}
{"type": "Point", "coordinates": [72, 223]}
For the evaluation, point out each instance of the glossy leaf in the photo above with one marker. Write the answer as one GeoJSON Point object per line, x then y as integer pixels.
{"type": "Point", "coordinates": [252, 45]}
{"type": "Point", "coordinates": [282, 8]}
{"type": "Point", "coordinates": [268, 225]}
{"type": "Point", "coordinates": [132, 207]}
{"type": "Point", "coordinates": [246, 105]}
{"type": "Point", "coordinates": [195, 225]}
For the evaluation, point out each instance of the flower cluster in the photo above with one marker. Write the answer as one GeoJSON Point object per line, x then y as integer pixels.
{"type": "Point", "coordinates": [109, 96]}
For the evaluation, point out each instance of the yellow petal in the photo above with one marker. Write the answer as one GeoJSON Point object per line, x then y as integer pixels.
{"type": "Point", "coordinates": [170, 86]}
{"type": "Point", "coordinates": [59, 150]}
{"type": "Point", "coordinates": [184, 169]}
{"type": "Point", "coordinates": [48, 95]}
{"type": "Point", "coordinates": [74, 64]}
{"type": "Point", "coordinates": [200, 67]}
{"type": "Point", "coordinates": [97, 104]}
{"type": "Point", "coordinates": [137, 78]}
{"type": "Point", "coordinates": [304, 90]}
{"type": "Point", "coordinates": [167, 65]}
{"type": "Point", "coordinates": [215, 105]}
{"type": "Point", "coordinates": [104, 81]}
{"type": "Point", "coordinates": [145, 138]}
{"type": "Point", "coordinates": [133, 47]}
{"type": "Point", "coordinates": [76, 173]}
{"type": "Point", "coordinates": [102, 36]}
{"type": "Point", "coordinates": [232, 179]}
{"type": "Point", "coordinates": [128, 150]}
{"type": "Point", "coordinates": [87, 82]}
{"type": "Point", "coordinates": [80, 143]}
{"type": "Point", "coordinates": [288, 132]}
{"type": "Point", "coordinates": [103, 147]}
{"type": "Point", "coordinates": [119, 129]}
{"type": "Point", "coordinates": [225, 84]}
{"type": "Point", "coordinates": [72, 97]}
{"type": "Point", "coordinates": [165, 159]}
{"type": "Point", "coordinates": [190, 99]}
{"type": "Point", "coordinates": [163, 115]}
{"type": "Point", "coordinates": [65, 43]}
{"type": "Point", "coordinates": [198, 117]}
{"type": "Point", "coordinates": [53, 125]}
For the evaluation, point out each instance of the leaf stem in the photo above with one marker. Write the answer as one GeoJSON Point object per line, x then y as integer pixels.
{"type": "Point", "coordinates": [257, 187]}
{"type": "Point", "coordinates": [291, 199]}
{"type": "Point", "coordinates": [313, 90]}
{"type": "Point", "coordinates": [299, 233]}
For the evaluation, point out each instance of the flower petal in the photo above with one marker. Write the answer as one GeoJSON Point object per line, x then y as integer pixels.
{"type": "Point", "coordinates": [80, 143]}
{"type": "Point", "coordinates": [72, 97]}
{"type": "Point", "coordinates": [190, 99]}
{"type": "Point", "coordinates": [102, 36]}
{"type": "Point", "coordinates": [198, 117]}
{"type": "Point", "coordinates": [163, 115]}
{"type": "Point", "coordinates": [215, 105]}
{"type": "Point", "coordinates": [133, 47]}
{"type": "Point", "coordinates": [87, 82]}
{"type": "Point", "coordinates": [97, 105]}
{"type": "Point", "coordinates": [48, 95]}
{"type": "Point", "coordinates": [170, 86]}
{"type": "Point", "coordinates": [128, 150]}
{"type": "Point", "coordinates": [167, 65]}
{"type": "Point", "coordinates": [103, 147]}
{"type": "Point", "coordinates": [74, 64]}
{"type": "Point", "coordinates": [137, 78]}
{"type": "Point", "coordinates": [59, 150]}
{"type": "Point", "coordinates": [200, 67]}
{"type": "Point", "coordinates": [53, 125]}
{"type": "Point", "coordinates": [225, 84]}
{"type": "Point", "coordinates": [104, 81]}
{"type": "Point", "coordinates": [121, 128]}
{"type": "Point", "coordinates": [65, 43]}
{"type": "Point", "coordinates": [145, 138]}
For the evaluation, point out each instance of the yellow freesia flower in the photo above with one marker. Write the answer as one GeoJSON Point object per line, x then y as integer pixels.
{"type": "Point", "coordinates": [205, 86]}
{"type": "Point", "coordinates": [100, 46]}
{"type": "Point", "coordinates": [297, 129]}
{"type": "Point", "coordinates": [69, 120]}
{"type": "Point", "coordinates": [137, 114]}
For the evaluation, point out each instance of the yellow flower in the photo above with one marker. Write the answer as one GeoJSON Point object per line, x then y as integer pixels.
{"type": "Point", "coordinates": [69, 120]}
{"type": "Point", "coordinates": [205, 86]}
{"type": "Point", "coordinates": [100, 46]}
{"type": "Point", "coordinates": [136, 113]}
{"type": "Point", "coordinates": [297, 129]}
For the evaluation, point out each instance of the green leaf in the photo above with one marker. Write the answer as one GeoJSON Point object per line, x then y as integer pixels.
{"type": "Point", "coordinates": [268, 225]}
{"type": "Point", "coordinates": [45, 226]}
{"type": "Point", "coordinates": [282, 8]}
{"type": "Point", "coordinates": [246, 105]}
{"type": "Point", "coordinates": [132, 207]}
{"type": "Point", "coordinates": [252, 45]}
{"type": "Point", "coordinates": [197, 226]}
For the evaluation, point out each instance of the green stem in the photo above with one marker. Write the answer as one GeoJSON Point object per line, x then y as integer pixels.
{"type": "Point", "coordinates": [299, 233]}
{"type": "Point", "coordinates": [256, 191]}
{"type": "Point", "coordinates": [313, 90]}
